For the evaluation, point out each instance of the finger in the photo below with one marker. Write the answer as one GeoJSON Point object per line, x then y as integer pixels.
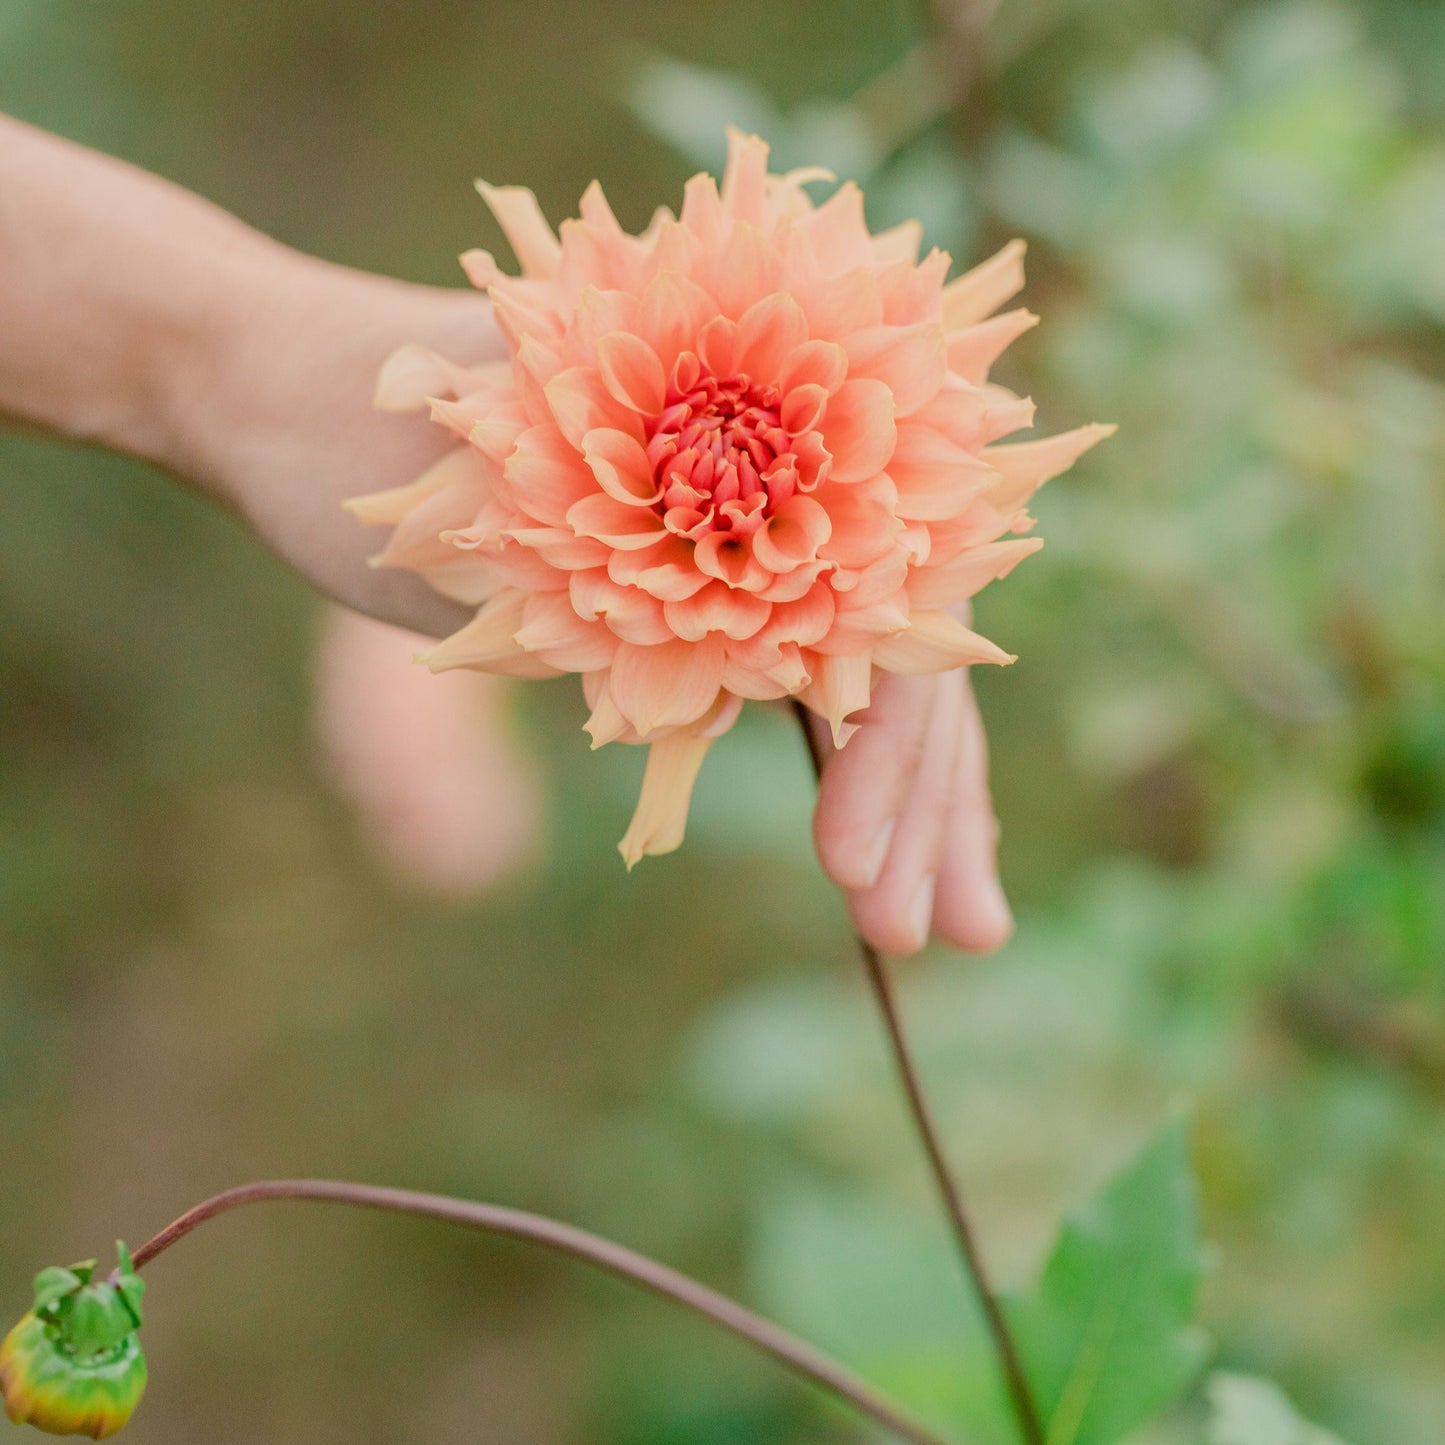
{"type": "Point", "coordinates": [970, 909]}
{"type": "Point", "coordinates": [895, 914]}
{"type": "Point", "coordinates": [866, 784]}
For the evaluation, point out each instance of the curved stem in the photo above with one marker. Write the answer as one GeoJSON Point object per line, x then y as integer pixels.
{"type": "Point", "coordinates": [1015, 1377]}
{"type": "Point", "coordinates": [762, 1334]}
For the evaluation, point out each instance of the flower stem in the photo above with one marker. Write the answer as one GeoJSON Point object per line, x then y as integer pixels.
{"type": "Point", "coordinates": [762, 1334]}
{"type": "Point", "coordinates": [1015, 1378]}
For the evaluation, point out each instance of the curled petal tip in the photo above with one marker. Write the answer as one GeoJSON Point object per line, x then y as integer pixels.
{"type": "Point", "coordinates": [480, 268]}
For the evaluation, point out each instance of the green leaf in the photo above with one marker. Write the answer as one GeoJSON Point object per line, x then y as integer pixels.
{"type": "Point", "coordinates": [1108, 1338]}
{"type": "Point", "coordinates": [1245, 1410]}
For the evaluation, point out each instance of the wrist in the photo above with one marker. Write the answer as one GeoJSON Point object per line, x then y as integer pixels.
{"type": "Point", "coordinates": [215, 359]}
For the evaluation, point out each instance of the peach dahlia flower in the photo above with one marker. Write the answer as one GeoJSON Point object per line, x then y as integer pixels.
{"type": "Point", "coordinates": [749, 453]}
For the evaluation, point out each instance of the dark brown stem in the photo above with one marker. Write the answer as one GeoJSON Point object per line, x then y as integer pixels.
{"type": "Point", "coordinates": [1015, 1377]}
{"type": "Point", "coordinates": [762, 1334]}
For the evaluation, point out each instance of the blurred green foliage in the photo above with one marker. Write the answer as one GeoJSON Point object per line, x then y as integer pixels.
{"type": "Point", "coordinates": [1220, 763]}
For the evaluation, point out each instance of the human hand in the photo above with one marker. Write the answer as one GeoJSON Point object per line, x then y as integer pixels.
{"type": "Point", "coordinates": [288, 432]}
{"type": "Point", "coordinates": [140, 317]}
{"type": "Point", "coordinates": [904, 823]}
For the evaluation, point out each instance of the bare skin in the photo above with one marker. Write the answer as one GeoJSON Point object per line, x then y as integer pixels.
{"type": "Point", "coordinates": [138, 317]}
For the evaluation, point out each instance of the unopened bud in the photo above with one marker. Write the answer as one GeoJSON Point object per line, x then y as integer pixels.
{"type": "Point", "coordinates": [74, 1365]}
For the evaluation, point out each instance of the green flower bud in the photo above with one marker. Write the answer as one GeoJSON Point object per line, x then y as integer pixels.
{"type": "Point", "coordinates": [74, 1365]}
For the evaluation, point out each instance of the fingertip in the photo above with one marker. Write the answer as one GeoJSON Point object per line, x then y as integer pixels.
{"type": "Point", "coordinates": [854, 860]}
{"type": "Point", "coordinates": [892, 927]}
{"type": "Point", "coordinates": [977, 919]}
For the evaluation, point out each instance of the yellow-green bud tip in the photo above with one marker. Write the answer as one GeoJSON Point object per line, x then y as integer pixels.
{"type": "Point", "coordinates": [74, 1365]}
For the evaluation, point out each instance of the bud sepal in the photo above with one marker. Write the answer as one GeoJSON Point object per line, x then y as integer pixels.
{"type": "Point", "coordinates": [74, 1364]}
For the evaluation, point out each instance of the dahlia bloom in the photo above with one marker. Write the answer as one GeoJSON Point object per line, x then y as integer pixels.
{"type": "Point", "coordinates": [749, 453]}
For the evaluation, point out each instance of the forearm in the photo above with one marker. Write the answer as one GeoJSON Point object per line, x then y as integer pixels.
{"type": "Point", "coordinates": [115, 289]}
{"type": "Point", "coordinates": [139, 317]}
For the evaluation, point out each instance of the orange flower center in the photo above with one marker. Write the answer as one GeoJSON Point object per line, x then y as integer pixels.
{"type": "Point", "coordinates": [720, 455]}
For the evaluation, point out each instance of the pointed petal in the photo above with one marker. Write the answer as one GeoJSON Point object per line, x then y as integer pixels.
{"type": "Point", "coordinates": [661, 817]}
{"type": "Point", "coordinates": [747, 266]}
{"type": "Point", "coordinates": [815, 363]}
{"type": "Point", "coordinates": [580, 402]}
{"type": "Point", "coordinates": [1025, 466]}
{"type": "Point", "coordinates": [666, 570]}
{"type": "Point", "coordinates": [839, 232]}
{"type": "Point", "coordinates": [936, 642]}
{"type": "Point", "coordinates": [630, 613]}
{"type": "Point", "coordinates": [496, 434]}
{"type": "Point", "coordinates": [793, 534]}
{"type": "Point", "coordinates": [974, 349]}
{"type": "Point", "coordinates": [614, 523]}
{"type": "Point", "coordinates": [488, 642]}
{"type": "Point", "coordinates": [980, 292]}
{"type": "Point", "coordinates": [545, 477]}
{"type": "Point", "coordinates": [935, 477]}
{"type": "Point", "coordinates": [481, 268]}
{"type": "Point", "coordinates": [412, 375]}
{"type": "Point", "coordinates": [859, 430]}
{"type": "Point", "coordinates": [598, 313]}
{"type": "Point", "coordinates": [536, 246]}
{"type": "Point", "coordinates": [672, 312]}
{"type": "Point", "coordinates": [669, 685]}
{"type": "Point", "coordinates": [418, 541]}
{"type": "Point", "coordinates": [769, 331]}
{"type": "Point", "coordinates": [914, 293]}
{"type": "Point", "coordinates": [745, 176]}
{"type": "Point", "coordinates": [911, 361]}
{"type": "Point", "coordinates": [859, 629]}
{"type": "Point", "coordinates": [1004, 413]}
{"type": "Point", "coordinates": [606, 724]}
{"type": "Point", "coordinates": [620, 466]}
{"type": "Point", "coordinates": [837, 306]}
{"type": "Point", "coordinates": [631, 372]}
{"type": "Point", "coordinates": [840, 686]}
{"type": "Point", "coordinates": [900, 243]}
{"type": "Point", "coordinates": [559, 547]}
{"type": "Point", "coordinates": [386, 509]}
{"type": "Point", "coordinates": [717, 608]}
{"type": "Point", "coordinates": [742, 681]}
{"type": "Point", "coordinates": [597, 211]}
{"type": "Point", "coordinates": [702, 210]}
{"type": "Point", "coordinates": [936, 588]}
{"type": "Point", "coordinates": [553, 632]}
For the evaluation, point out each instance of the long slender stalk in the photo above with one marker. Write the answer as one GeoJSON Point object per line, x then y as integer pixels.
{"type": "Point", "coordinates": [1020, 1395]}
{"type": "Point", "coordinates": [762, 1334]}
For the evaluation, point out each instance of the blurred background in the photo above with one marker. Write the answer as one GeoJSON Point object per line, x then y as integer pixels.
{"type": "Point", "coordinates": [1220, 761]}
